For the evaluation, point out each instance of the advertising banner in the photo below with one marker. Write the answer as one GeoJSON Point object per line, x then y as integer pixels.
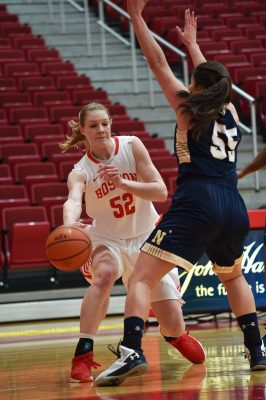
{"type": "Point", "coordinates": [203, 291]}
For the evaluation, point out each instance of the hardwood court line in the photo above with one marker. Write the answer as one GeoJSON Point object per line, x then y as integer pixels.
{"type": "Point", "coordinates": [55, 331]}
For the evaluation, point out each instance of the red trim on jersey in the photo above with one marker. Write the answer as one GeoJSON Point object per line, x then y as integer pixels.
{"type": "Point", "coordinates": [92, 158]}
{"type": "Point", "coordinates": [116, 145]}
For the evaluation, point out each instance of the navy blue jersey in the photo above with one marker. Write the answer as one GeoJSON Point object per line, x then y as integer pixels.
{"type": "Point", "coordinates": [213, 154]}
{"type": "Point", "coordinates": [207, 213]}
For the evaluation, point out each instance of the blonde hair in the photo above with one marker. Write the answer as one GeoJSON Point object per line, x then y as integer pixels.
{"type": "Point", "coordinates": [77, 138]}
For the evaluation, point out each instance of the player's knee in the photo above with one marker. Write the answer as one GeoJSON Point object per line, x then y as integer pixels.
{"type": "Point", "coordinates": [229, 276]}
{"type": "Point", "coordinates": [105, 269]}
{"type": "Point", "coordinates": [105, 278]}
{"type": "Point", "coordinates": [104, 275]}
{"type": "Point", "coordinates": [140, 278]}
{"type": "Point", "coordinates": [132, 280]}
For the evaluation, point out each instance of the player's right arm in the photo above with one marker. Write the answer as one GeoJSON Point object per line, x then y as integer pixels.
{"type": "Point", "coordinates": [150, 185]}
{"type": "Point", "coordinates": [73, 205]}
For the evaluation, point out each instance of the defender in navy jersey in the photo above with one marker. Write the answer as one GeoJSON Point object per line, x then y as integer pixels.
{"type": "Point", "coordinates": [198, 224]}
{"type": "Point", "coordinates": [207, 212]}
{"type": "Point", "coordinates": [214, 155]}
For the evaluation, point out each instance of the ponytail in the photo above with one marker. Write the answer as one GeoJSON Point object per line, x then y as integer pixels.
{"type": "Point", "coordinates": [204, 106]}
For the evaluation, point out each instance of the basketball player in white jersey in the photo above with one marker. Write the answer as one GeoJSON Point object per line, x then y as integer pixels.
{"type": "Point", "coordinates": [119, 183]}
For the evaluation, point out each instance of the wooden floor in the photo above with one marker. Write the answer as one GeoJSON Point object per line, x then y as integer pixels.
{"type": "Point", "coordinates": [35, 364]}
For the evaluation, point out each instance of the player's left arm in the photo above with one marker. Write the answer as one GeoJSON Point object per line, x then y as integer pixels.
{"type": "Point", "coordinates": [189, 38]}
{"type": "Point", "coordinates": [150, 186]}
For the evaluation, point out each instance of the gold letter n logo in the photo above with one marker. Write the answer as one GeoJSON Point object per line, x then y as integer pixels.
{"type": "Point", "coordinates": [158, 237]}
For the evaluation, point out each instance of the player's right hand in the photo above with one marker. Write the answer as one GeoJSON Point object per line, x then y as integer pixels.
{"type": "Point", "coordinates": [110, 173]}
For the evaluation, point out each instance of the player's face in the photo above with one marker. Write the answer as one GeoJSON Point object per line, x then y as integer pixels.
{"type": "Point", "coordinates": [97, 127]}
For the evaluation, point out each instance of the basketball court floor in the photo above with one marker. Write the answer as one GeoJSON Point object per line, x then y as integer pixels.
{"type": "Point", "coordinates": [35, 363]}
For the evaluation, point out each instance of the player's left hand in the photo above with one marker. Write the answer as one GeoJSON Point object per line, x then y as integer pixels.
{"type": "Point", "coordinates": [189, 35]}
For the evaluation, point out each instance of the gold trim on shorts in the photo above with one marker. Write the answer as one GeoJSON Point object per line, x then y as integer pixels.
{"type": "Point", "coordinates": [182, 149]}
{"type": "Point", "coordinates": [166, 256]}
{"type": "Point", "coordinates": [226, 270]}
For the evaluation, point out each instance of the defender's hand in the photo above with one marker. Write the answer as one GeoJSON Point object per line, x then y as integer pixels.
{"type": "Point", "coordinates": [135, 7]}
{"type": "Point", "coordinates": [189, 34]}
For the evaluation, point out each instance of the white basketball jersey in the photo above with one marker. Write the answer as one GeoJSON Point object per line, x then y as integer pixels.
{"type": "Point", "coordinates": [116, 213]}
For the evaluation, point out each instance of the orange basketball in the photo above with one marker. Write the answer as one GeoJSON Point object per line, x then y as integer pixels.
{"type": "Point", "coordinates": [68, 248]}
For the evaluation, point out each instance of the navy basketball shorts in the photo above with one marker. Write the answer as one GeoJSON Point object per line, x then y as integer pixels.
{"type": "Point", "coordinates": [205, 217]}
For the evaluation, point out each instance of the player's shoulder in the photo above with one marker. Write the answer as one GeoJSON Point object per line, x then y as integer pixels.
{"type": "Point", "coordinates": [81, 165]}
{"type": "Point", "coordinates": [124, 138]}
{"type": "Point", "coordinates": [82, 161]}
{"type": "Point", "coordinates": [76, 175]}
{"type": "Point", "coordinates": [129, 141]}
{"type": "Point", "coordinates": [233, 111]}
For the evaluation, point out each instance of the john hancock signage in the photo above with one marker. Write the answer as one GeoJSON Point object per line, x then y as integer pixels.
{"type": "Point", "coordinates": [202, 290]}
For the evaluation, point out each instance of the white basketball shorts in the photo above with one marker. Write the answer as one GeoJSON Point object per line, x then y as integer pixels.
{"type": "Point", "coordinates": [126, 253]}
